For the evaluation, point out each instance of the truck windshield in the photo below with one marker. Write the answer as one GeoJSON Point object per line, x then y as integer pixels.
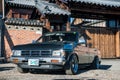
{"type": "Point", "coordinates": [59, 37]}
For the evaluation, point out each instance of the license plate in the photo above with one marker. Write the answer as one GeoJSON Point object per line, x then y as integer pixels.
{"type": "Point", "coordinates": [33, 62]}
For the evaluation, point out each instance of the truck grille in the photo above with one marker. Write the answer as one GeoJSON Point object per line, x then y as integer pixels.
{"type": "Point", "coordinates": [46, 53]}
{"type": "Point", "coordinates": [36, 53]}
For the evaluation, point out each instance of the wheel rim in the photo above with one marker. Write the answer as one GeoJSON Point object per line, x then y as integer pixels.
{"type": "Point", "coordinates": [75, 65]}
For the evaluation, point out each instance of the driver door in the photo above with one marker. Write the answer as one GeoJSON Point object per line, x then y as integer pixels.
{"type": "Point", "coordinates": [83, 51]}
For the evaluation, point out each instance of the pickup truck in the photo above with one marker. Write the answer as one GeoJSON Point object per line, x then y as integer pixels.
{"type": "Point", "coordinates": [56, 51]}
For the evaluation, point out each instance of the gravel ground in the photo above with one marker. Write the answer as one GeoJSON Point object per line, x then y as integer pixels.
{"type": "Point", "coordinates": [109, 70]}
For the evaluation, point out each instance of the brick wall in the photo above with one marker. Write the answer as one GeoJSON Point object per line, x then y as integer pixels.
{"type": "Point", "coordinates": [18, 36]}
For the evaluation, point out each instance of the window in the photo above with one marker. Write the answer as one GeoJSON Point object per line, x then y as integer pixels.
{"type": "Point", "coordinates": [112, 23]}
{"type": "Point", "coordinates": [82, 41]}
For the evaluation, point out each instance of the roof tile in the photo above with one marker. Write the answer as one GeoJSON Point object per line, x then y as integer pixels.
{"type": "Point", "coordinates": [112, 3]}
{"type": "Point", "coordinates": [22, 2]}
{"type": "Point", "coordinates": [43, 6]}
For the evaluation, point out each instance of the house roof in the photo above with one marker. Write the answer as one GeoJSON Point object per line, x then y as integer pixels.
{"type": "Point", "coordinates": [20, 21]}
{"type": "Point", "coordinates": [43, 6]}
{"type": "Point", "coordinates": [22, 2]}
{"type": "Point", "coordinates": [111, 3]}
{"type": "Point", "coordinates": [50, 8]}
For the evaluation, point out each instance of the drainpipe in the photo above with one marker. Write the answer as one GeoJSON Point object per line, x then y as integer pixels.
{"type": "Point", "coordinates": [3, 8]}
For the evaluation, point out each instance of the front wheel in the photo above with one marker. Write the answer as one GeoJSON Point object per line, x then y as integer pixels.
{"type": "Point", "coordinates": [73, 66]}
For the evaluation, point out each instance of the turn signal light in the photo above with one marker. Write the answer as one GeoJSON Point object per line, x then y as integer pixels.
{"type": "Point", "coordinates": [54, 61]}
{"type": "Point", "coordinates": [15, 60]}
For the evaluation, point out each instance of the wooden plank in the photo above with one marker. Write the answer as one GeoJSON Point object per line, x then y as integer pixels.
{"type": "Point", "coordinates": [106, 41]}
{"type": "Point", "coordinates": [110, 43]}
{"type": "Point", "coordinates": [87, 10]}
{"type": "Point", "coordinates": [88, 32]}
{"type": "Point", "coordinates": [117, 44]}
{"type": "Point", "coordinates": [99, 39]}
{"type": "Point", "coordinates": [113, 54]}
{"type": "Point", "coordinates": [114, 41]}
{"type": "Point", "coordinates": [47, 25]}
{"type": "Point", "coordinates": [101, 43]}
{"type": "Point", "coordinates": [95, 38]}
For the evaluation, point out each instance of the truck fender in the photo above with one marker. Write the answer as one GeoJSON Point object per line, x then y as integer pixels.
{"type": "Point", "coordinates": [68, 59]}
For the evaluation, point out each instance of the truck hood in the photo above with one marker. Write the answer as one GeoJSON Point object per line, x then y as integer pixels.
{"type": "Point", "coordinates": [44, 46]}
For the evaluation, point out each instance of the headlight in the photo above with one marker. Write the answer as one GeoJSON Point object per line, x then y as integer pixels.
{"type": "Point", "coordinates": [16, 53]}
{"type": "Point", "coordinates": [58, 53]}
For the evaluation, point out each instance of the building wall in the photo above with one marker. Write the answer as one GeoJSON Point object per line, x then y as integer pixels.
{"type": "Point", "coordinates": [0, 6]}
{"type": "Point", "coordinates": [18, 36]}
{"type": "Point", "coordinates": [105, 39]}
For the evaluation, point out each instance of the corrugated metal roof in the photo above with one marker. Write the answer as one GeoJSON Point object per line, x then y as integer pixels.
{"type": "Point", "coordinates": [111, 3]}
{"type": "Point", "coordinates": [22, 2]}
{"type": "Point", "coordinates": [51, 8]}
{"type": "Point", "coordinates": [43, 6]}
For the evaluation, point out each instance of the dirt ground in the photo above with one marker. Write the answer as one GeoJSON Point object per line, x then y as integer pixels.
{"type": "Point", "coordinates": [109, 70]}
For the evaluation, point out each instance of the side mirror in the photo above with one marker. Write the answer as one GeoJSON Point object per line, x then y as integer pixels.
{"type": "Point", "coordinates": [33, 41]}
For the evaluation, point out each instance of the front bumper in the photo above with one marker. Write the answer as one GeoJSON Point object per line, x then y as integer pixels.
{"type": "Point", "coordinates": [44, 63]}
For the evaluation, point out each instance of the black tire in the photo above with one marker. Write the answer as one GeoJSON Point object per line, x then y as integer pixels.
{"type": "Point", "coordinates": [96, 63]}
{"type": "Point", "coordinates": [73, 66]}
{"type": "Point", "coordinates": [22, 70]}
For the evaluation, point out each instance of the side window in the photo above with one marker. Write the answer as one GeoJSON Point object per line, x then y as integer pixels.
{"type": "Point", "coordinates": [82, 41]}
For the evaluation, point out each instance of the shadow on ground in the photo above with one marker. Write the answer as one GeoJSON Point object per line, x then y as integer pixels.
{"type": "Point", "coordinates": [59, 72]}
{"type": "Point", "coordinates": [6, 68]}
{"type": "Point", "coordinates": [105, 67]}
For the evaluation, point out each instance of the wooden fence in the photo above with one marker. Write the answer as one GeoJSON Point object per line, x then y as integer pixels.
{"type": "Point", "coordinates": [104, 39]}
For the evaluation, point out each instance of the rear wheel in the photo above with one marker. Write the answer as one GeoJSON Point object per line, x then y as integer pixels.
{"type": "Point", "coordinates": [73, 65]}
{"type": "Point", "coordinates": [22, 70]}
{"type": "Point", "coordinates": [96, 63]}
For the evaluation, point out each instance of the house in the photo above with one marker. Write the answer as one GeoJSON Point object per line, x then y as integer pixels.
{"type": "Point", "coordinates": [27, 20]}
{"type": "Point", "coordinates": [99, 19]}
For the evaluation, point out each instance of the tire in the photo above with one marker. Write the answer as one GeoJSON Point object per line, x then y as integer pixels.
{"type": "Point", "coordinates": [96, 63]}
{"type": "Point", "coordinates": [73, 66]}
{"type": "Point", "coordinates": [22, 70]}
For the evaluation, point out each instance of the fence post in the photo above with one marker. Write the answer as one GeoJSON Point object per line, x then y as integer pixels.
{"type": "Point", "coordinates": [118, 43]}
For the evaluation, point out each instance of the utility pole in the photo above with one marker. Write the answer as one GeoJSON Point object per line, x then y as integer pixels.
{"type": "Point", "coordinates": [3, 9]}
{"type": "Point", "coordinates": [2, 29]}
